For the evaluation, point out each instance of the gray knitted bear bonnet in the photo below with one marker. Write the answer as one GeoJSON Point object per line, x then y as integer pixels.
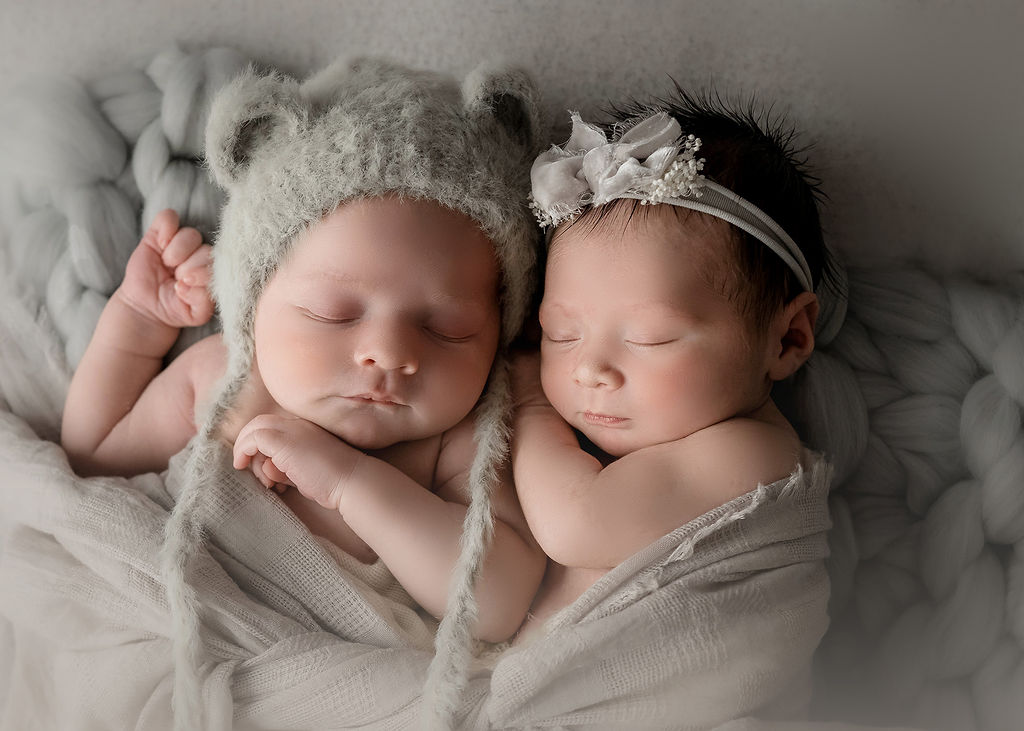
{"type": "Point", "coordinates": [288, 153]}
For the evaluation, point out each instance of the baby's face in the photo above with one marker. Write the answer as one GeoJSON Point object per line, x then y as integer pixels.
{"type": "Point", "coordinates": [638, 348]}
{"type": "Point", "coordinates": [382, 323]}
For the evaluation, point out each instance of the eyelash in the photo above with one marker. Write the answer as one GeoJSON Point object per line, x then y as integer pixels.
{"type": "Point", "coordinates": [650, 345]}
{"type": "Point", "coordinates": [634, 343]}
{"type": "Point", "coordinates": [329, 320]}
{"type": "Point", "coordinates": [447, 338]}
{"type": "Point", "coordinates": [345, 320]}
{"type": "Point", "coordinates": [560, 340]}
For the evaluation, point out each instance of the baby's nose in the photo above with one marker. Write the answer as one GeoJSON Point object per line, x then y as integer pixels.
{"type": "Point", "coordinates": [597, 373]}
{"type": "Point", "coordinates": [388, 348]}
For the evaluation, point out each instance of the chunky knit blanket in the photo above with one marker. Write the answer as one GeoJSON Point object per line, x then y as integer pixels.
{"type": "Point", "coordinates": [916, 400]}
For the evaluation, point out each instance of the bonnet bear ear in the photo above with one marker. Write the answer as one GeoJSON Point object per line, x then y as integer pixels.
{"type": "Point", "coordinates": [509, 97]}
{"type": "Point", "coordinates": [244, 115]}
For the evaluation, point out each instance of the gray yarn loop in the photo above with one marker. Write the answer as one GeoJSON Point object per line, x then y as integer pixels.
{"type": "Point", "coordinates": [928, 413]}
{"type": "Point", "coordinates": [81, 160]}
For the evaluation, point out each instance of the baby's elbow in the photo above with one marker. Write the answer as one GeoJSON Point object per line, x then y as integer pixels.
{"type": "Point", "coordinates": [558, 544]}
{"type": "Point", "coordinates": [89, 460]}
{"type": "Point", "coordinates": [81, 458]}
{"type": "Point", "coordinates": [497, 632]}
{"type": "Point", "coordinates": [580, 551]}
{"type": "Point", "coordinates": [501, 622]}
{"type": "Point", "coordinates": [81, 442]}
{"type": "Point", "coordinates": [505, 596]}
{"type": "Point", "coordinates": [84, 463]}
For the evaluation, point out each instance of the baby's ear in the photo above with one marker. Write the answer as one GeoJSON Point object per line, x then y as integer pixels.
{"type": "Point", "coordinates": [244, 115]}
{"type": "Point", "coordinates": [508, 97]}
{"type": "Point", "coordinates": [792, 336]}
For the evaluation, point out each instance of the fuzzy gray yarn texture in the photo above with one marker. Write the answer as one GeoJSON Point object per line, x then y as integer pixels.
{"type": "Point", "coordinates": [917, 401]}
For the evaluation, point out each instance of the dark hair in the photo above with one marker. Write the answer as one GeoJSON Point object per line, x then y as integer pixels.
{"type": "Point", "coordinates": [752, 151]}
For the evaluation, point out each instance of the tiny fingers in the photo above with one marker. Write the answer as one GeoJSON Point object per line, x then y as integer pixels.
{"type": "Point", "coordinates": [268, 474]}
{"type": "Point", "coordinates": [195, 270]}
{"type": "Point", "coordinates": [240, 459]}
{"type": "Point", "coordinates": [256, 438]}
{"type": "Point", "coordinates": [161, 230]}
{"type": "Point", "coordinates": [191, 286]}
{"type": "Point", "coordinates": [275, 475]}
{"type": "Point", "coordinates": [181, 246]}
{"type": "Point", "coordinates": [198, 300]}
{"type": "Point", "coordinates": [245, 448]}
{"type": "Point", "coordinates": [257, 467]}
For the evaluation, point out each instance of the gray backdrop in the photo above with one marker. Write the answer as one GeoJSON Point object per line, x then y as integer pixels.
{"type": "Point", "coordinates": [914, 108]}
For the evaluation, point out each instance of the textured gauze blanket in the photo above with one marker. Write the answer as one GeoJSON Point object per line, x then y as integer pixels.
{"type": "Point", "coordinates": [716, 621]}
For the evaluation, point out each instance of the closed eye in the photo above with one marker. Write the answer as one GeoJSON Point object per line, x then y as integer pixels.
{"type": "Point", "coordinates": [448, 338]}
{"type": "Point", "coordinates": [324, 318]}
{"type": "Point", "coordinates": [650, 344]}
{"type": "Point", "coordinates": [560, 338]}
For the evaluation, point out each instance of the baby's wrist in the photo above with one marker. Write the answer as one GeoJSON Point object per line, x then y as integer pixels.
{"type": "Point", "coordinates": [138, 331]}
{"type": "Point", "coordinates": [349, 475]}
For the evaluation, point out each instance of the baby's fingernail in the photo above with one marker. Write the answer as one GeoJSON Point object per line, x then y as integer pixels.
{"type": "Point", "coordinates": [189, 279]}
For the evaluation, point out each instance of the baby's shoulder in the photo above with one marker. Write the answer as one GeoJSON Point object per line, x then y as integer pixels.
{"type": "Point", "coordinates": [201, 365]}
{"type": "Point", "coordinates": [457, 449]}
{"type": "Point", "coordinates": [733, 457]}
{"type": "Point", "coordinates": [206, 359]}
{"type": "Point", "coordinates": [210, 349]}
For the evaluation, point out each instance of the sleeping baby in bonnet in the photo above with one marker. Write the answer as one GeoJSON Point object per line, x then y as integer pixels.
{"type": "Point", "coordinates": [367, 288]}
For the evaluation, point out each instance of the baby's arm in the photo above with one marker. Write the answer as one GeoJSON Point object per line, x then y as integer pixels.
{"type": "Point", "coordinates": [515, 563]}
{"type": "Point", "coordinates": [121, 417]}
{"type": "Point", "coordinates": [413, 530]}
{"type": "Point", "coordinates": [588, 515]}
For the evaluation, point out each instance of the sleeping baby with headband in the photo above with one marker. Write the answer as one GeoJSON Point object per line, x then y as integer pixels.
{"type": "Point", "coordinates": [682, 262]}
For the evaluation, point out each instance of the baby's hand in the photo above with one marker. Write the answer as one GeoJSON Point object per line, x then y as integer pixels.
{"type": "Point", "coordinates": [287, 450]}
{"type": "Point", "coordinates": [168, 273]}
{"type": "Point", "coordinates": [526, 385]}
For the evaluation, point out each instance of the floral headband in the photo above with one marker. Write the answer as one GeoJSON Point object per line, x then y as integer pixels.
{"type": "Point", "coordinates": [651, 162]}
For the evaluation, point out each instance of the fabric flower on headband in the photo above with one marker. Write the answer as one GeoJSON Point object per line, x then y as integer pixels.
{"type": "Point", "coordinates": [651, 161]}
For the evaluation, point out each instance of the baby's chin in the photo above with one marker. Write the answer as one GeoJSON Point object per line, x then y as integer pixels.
{"type": "Point", "coordinates": [368, 438]}
{"type": "Point", "coordinates": [369, 441]}
{"type": "Point", "coordinates": [601, 446]}
{"type": "Point", "coordinates": [615, 444]}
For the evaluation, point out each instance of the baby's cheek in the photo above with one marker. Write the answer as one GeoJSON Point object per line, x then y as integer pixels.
{"type": "Point", "coordinates": [314, 364]}
{"type": "Point", "coordinates": [553, 380]}
{"type": "Point", "coordinates": [302, 361]}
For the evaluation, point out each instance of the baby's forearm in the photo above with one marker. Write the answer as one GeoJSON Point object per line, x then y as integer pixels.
{"type": "Point", "coordinates": [416, 534]}
{"type": "Point", "coordinates": [555, 480]}
{"type": "Point", "coordinates": [124, 355]}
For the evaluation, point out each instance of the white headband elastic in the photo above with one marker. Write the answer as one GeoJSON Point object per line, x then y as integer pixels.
{"type": "Point", "coordinates": [651, 162]}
